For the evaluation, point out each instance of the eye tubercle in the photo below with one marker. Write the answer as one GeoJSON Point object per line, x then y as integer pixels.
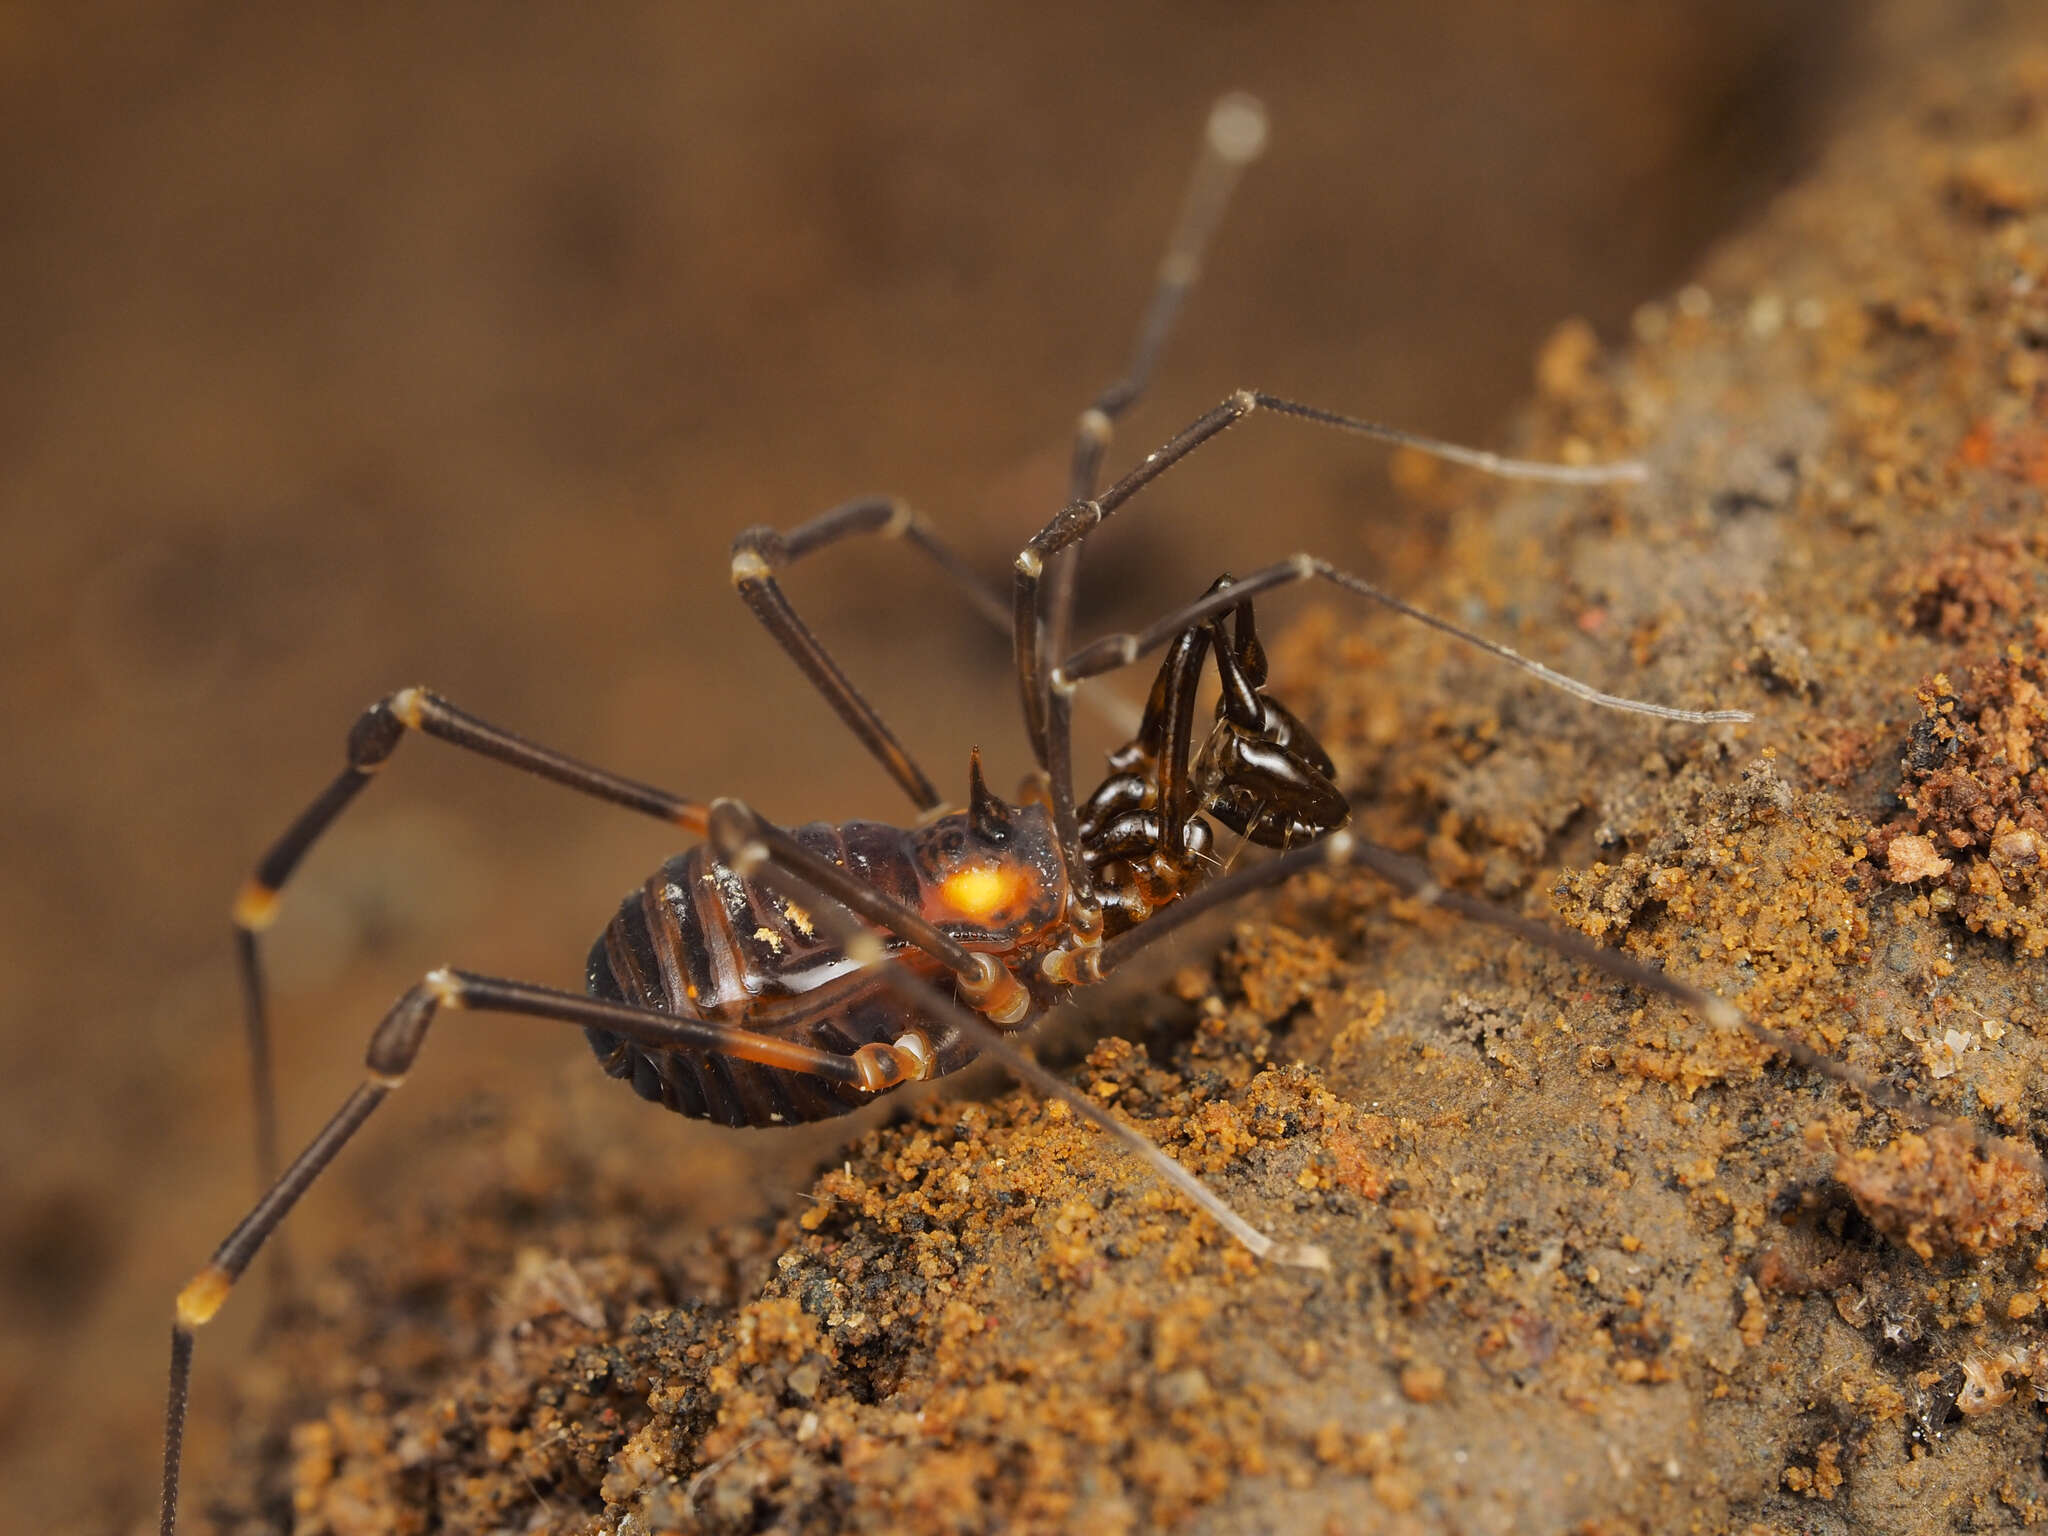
{"type": "Point", "coordinates": [987, 816]}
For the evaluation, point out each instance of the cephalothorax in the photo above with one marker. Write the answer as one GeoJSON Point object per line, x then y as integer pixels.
{"type": "Point", "coordinates": [771, 975]}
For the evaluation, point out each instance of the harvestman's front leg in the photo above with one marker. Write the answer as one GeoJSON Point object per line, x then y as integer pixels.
{"type": "Point", "coordinates": [372, 740]}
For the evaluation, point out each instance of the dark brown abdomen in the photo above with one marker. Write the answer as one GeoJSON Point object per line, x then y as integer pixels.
{"type": "Point", "coordinates": [696, 941]}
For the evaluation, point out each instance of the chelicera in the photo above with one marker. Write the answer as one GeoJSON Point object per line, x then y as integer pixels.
{"type": "Point", "coordinates": [775, 975]}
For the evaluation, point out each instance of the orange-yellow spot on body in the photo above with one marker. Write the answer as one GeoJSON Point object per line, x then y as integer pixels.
{"type": "Point", "coordinates": [978, 891]}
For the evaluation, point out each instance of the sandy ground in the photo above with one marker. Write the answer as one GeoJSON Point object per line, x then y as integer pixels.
{"type": "Point", "coordinates": [382, 351]}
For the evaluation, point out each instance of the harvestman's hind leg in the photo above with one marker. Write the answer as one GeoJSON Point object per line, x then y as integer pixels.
{"type": "Point", "coordinates": [372, 740]}
{"type": "Point", "coordinates": [393, 1047]}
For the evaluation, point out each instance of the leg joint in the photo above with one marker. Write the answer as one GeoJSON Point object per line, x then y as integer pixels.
{"type": "Point", "coordinates": [399, 1034]}
{"type": "Point", "coordinates": [995, 993]}
{"type": "Point", "coordinates": [379, 729]}
{"type": "Point", "coordinates": [255, 905]}
{"type": "Point", "coordinates": [446, 987]}
{"type": "Point", "coordinates": [757, 553]}
{"type": "Point", "coordinates": [202, 1296]}
{"type": "Point", "coordinates": [735, 836]}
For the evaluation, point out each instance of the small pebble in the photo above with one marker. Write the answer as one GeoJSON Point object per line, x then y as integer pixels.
{"type": "Point", "coordinates": [1422, 1383]}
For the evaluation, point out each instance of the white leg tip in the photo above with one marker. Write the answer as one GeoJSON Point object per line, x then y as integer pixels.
{"type": "Point", "coordinates": [1237, 128]}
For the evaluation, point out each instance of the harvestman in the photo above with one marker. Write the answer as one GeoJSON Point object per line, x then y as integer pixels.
{"type": "Point", "coordinates": [777, 975]}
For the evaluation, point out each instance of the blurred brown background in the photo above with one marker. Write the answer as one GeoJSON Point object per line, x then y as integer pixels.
{"type": "Point", "coordinates": [352, 348]}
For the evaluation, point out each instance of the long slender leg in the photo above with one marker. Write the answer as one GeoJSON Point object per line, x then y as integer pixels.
{"type": "Point", "coordinates": [1113, 651]}
{"type": "Point", "coordinates": [394, 1046]}
{"type": "Point", "coordinates": [890, 518]}
{"type": "Point", "coordinates": [757, 553]}
{"type": "Point", "coordinates": [372, 740]}
{"type": "Point", "coordinates": [1233, 138]}
{"type": "Point", "coordinates": [1415, 880]}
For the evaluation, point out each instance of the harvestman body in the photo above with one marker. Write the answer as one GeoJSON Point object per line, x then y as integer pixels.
{"type": "Point", "coordinates": [771, 975]}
